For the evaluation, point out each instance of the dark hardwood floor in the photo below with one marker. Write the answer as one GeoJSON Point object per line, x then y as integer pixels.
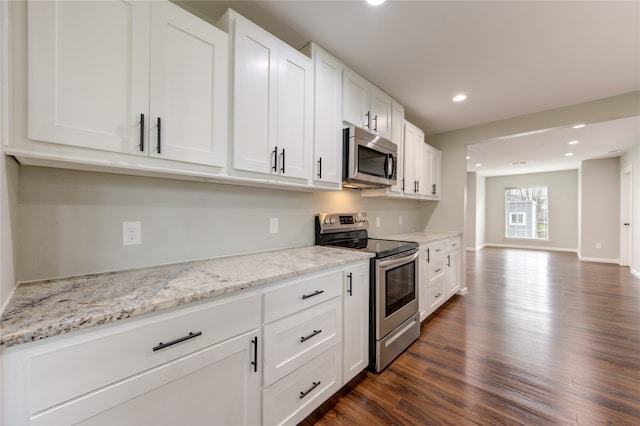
{"type": "Point", "coordinates": [540, 339]}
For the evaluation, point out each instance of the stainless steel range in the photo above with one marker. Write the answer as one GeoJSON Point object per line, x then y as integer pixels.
{"type": "Point", "coordinates": [395, 321]}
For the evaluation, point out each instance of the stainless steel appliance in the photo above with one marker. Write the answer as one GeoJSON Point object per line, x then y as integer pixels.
{"type": "Point", "coordinates": [369, 161]}
{"type": "Point", "coordinates": [394, 318]}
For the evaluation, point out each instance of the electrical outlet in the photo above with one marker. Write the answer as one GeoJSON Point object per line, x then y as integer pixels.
{"type": "Point", "coordinates": [378, 221]}
{"type": "Point", "coordinates": [400, 220]}
{"type": "Point", "coordinates": [131, 233]}
{"type": "Point", "coordinates": [598, 245]}
{"type": "Point", "coordinates": [273, 225]}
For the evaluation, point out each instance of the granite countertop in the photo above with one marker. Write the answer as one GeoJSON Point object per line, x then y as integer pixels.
{"type": "Point", "coordinates": [422, 237]}
{"type": "Point", "coordinates": [42, 309]}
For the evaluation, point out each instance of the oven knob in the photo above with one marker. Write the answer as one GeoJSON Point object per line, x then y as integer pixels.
{"type": "Point", "coordinates": [333, 220]}
{"type": "Point", "coordinates": [357, 219]}
{"type": "Point", "coordinates": [327, 221]}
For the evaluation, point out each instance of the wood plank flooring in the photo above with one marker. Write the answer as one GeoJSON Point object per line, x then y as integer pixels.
{"type": "Point", "coordinates": [540, 339]}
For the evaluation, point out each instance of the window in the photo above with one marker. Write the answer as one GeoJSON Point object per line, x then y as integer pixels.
{"type": "Point", "coordinates": [527, 212]}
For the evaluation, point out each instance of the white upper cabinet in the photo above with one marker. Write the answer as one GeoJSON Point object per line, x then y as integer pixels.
{"type": "Point", "coordinates": [397, 137]}
{"type": "Point", "coordinates": [364, 105]}
{"type": "Point", "coordinates": [272, 103]}
{"type": "Point", "coordinates": [88, 72]}
{"type": "Point", "coordinates": [144, 78]}
{"type": "Point", "coordinates": [327, 137]}
{"type": "Point", "coordinates": [413, 159]}
{"type": "Point", "coordinates": [189, 87]}
{"type": "Point", "coordinates": [431, 172]}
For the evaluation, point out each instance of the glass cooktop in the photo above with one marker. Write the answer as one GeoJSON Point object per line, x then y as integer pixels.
{"type": "Point", "coordinates": [382, 248]}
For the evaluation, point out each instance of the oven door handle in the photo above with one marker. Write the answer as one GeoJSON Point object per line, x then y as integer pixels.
{"type": "Point", "coordinates": [398, 261]}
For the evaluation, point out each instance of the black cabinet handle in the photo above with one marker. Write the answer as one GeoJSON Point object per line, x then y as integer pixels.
{"type": "Point", "coordinates": [433, 189]}
{"type": "Point", "coordinates": [402, 184]}
{"type": "Point", "coordinates": [254, 341]}
{"type": "Point", "coordinates": [141, 132]}
{"type": "Point", "coordinates": [305, 338]}
{"type": "Point", "coordinates": [191, 335]}
{"type": "Point", "coordinates": [315, 293]}
{"type": "Point", "coordinates": [449, 260]}
{"type": "Point", "coordinates": [320, 168]}
{"type": "Point", "coordinates": [275, 159]}
{"type": "Point", "coordinates": [159, 137]}
{"type": "Point", "coordinates": [283, 161]}
{"type": "Point", "coordinates": [627, 224]}
{"type": "Point", "coordinates": [375, 129]}
{"type": "Point", "coordinates": [350, 288]}
{"type": "Point", "coordinates": [428, 255]}
{"type": "Point", "coordinates": [417, 186]}
{"type": "Point", "coordinates": [305, 393]}
{"type": "Point", "coordinates": [368, 122]}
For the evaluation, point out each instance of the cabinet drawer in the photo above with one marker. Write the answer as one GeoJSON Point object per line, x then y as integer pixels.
{"type": "Point", "coordinates": [301, 294]}
{"type": "Point", "coordinates": [453, 244]}
{"type": "Point", "coordinates": [87, 361]}
{"type": "Point", "coordinates": [436, 249]}
{"type": "Point", "coordinates": [295, 340]}
{"type": "Point", "coordinates": [435, 294]}
{"type": "Point", "coordinates": [294, 397]}
{"type": "Point", "coordinates": [436, 269]}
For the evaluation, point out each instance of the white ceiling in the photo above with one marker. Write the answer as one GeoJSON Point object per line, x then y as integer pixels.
{"type": "Point", "coordinates": [510, 57]}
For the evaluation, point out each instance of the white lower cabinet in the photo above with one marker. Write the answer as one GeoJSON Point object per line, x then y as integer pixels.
{"type": "Point", "coordinates": [269, 356]}
{"type": "Point", "coordinates": [439, 274]}
{"type": "Point", "coordinates": [294, 397]}
{"type": "Point", "coordinates": [356, 321]}
{"type": "Point", "coordinates": [212, 386]}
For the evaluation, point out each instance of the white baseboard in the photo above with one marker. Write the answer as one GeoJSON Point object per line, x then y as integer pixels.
{"type": "Point", "coordinates": [476, 248]}
{"type": "Point", "coordinates": [635, 273]}
{"type": "Point", "coordinates": [599, 260]}
{"type": "Point", "coordinates": [531, 247]}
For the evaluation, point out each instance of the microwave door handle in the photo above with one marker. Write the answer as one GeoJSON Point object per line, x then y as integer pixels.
{"type": "Point", "coordinates": [389, 166]}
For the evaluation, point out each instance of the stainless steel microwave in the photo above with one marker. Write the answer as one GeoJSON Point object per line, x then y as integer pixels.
{"type": "Point", "coordinates": [369, 161]}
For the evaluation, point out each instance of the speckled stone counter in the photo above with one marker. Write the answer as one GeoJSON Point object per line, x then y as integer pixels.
{"type": "Point", "coordinates": [48, 308]}
{"type": "Point", "coordinates": [423, 237]}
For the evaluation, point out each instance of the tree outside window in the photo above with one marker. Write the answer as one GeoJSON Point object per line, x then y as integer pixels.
{"type": "Point", "coordinates": [527, 212]}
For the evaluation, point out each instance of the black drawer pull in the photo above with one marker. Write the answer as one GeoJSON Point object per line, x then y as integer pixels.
{"type": "Point", "coordinates": [158, 148]}
{"type": "Point", "coordinates": [315, 333]}
{"type": "Point", "coordinates": [308, 391]}
{"type": "Point", "coordinates": [315, 293]}
{"type": "Point", "coordinates": [254, 341]}
{"type": "Point", "coordinates": [173, 342]}
{"type": "Point", "coordinates": [141, 132]}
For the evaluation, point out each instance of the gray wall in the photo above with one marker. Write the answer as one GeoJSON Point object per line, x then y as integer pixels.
{"type": "Point", "coordinates": [71, 221]}
{"type": "Point", "coordinates": [563, 209]}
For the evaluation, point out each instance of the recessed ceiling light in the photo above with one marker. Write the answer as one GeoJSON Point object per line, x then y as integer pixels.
{"type": "Point", "coordinates": [518, 163]}
{"type": "Point", "coordinates": [375, 2]}
{"type": "Point", "coordinates": [478, 164]}
{"type": "Point", "coordinates": [578, 126]}
{"type": "Point", "coordinates": [459, 98]}
{"type": "Point", "coordinates": [468, 158]}
{"type": "Point", "coordinates": [568, 154]}
{"type": "Point", "coordinates": [574, 142]}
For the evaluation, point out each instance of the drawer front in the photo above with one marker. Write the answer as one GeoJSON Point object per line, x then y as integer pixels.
{"type": "Point", "coordinates": [301, 294]}
{"type": "Point", "coordinates": [435, 294]}
{"type": "Point", "coordinates": [85, 362]}
{"type": "Point", "coordinates": [436, 269]}
{"type": "Point", "coordinates": [295, 340]}
{"type": "Point", "coordinates": [436, 249]}
{"type": "Point", "coordinates": [294, 397]}
{"type": "Point", "coordinates": [453, 244]}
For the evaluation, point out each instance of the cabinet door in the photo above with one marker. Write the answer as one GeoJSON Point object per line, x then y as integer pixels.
{"type": "Point", "coordinates": [380, 107]}
{"type": "Point", "coordinates": [217, 385]}
{"type": "Point", "coordinates": [411, 136]}
{"type": "Point", "coordinates": [88, 73]}
{"type": "Point", "coordinates": [328, 118]}
{"type": "Point", "coordinates": [189, 87]}
{"type": "Point", "coordinates": [254, 100]}
{"type": "Point", "coordinates": [436, 174]}
{"type": "Point", "coordinates": [431, 172]}
{"type": "Point", "coordinates": [355, 99]}
{"type": "Point", "coordinates": [452, 281]}
{"type": "Point", "coordinates": [397, 137]}
{"type": "Point", "coordinates": [295, 113]}
{"type": "Point", "coordinates": [355, 321]}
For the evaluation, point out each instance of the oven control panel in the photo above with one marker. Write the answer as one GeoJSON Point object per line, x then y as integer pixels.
{"type": "Point", "coordinates": [341, 222]}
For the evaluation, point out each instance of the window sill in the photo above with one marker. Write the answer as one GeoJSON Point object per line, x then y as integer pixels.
{"type": "Point", "coordinates": [528, 240]}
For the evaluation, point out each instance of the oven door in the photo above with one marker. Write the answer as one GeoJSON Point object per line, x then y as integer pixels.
{"type": "Point", "coordinates": [396, 289]}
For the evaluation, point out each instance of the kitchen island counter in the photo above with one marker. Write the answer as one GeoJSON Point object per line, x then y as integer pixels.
{"type": "Point", "coordinates": [47, 308]}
